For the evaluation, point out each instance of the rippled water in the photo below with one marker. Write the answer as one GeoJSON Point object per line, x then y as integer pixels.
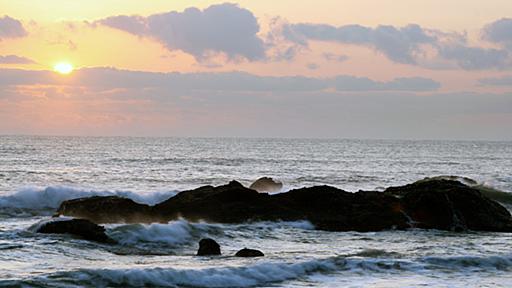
{"type": "Point", "coordinates": [37, 173]}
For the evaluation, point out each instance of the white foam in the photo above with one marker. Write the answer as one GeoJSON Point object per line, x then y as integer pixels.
{"type": "Point", "coordinates": [173, 233]}
{"type": "Point", "coordinates": [51, 197]}
{"type": "Point", "coordinates": [300, 224]}
{"type": "Point", "coordinates": [248, 276]}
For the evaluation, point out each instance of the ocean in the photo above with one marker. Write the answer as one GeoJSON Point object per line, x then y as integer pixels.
{"type": "Point", "coordinates": [37, 173]}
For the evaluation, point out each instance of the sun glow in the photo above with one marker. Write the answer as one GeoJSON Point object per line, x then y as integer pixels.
{"type": "Point", "coordinates": [63, 68]}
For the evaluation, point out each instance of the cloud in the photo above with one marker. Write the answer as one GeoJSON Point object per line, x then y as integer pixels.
{"type": "Point", "coordinates": [106, 101]}
{"type": "Point", "coordinates": [475, 58]}
{"type": "Point", "coordinates": [13, 59]}
{"type": "Point", "coordinates": [398, 44]}
{"type": "Point", "coordinates": [413, 44]}
{"type": "Point", "coordinates": [219, 29]}
{"type": "Point", "coordinates": [499, 32]}
{"type": "Point", "coordinates": [110, 78]}
{"type": "Point", "coordinates": [350, 83]}
{"type": "Point", "coordinates": [335, 57]}
{"type": "Point", "coordinates": [11, 28]}
{"type": "Point", "coordinates": [502, 81]}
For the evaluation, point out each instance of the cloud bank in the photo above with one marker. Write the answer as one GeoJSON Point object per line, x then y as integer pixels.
{"type": "Point", "coordinates": [110, 78]}
{"type": "Point", "coordinates": [232, 31]}
{"type": "Point", "coordinates": [106, 101]}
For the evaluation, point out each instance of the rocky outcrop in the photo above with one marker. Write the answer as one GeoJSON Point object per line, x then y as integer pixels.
{"type": "Point", "coordinates": [81, 228]}
{"type": "Point", "coordinates": [266, 184]}
{"type": "Point", "coordinates": [451, 205]}
{"type": "Point", "coordinates": [208, 247]}
{"type": "Point", "coordinates": [249, 253]}
{"type": "Point", "coordinates": [433, 203]}
{"type": "Point", "coordinates": [107, 209]}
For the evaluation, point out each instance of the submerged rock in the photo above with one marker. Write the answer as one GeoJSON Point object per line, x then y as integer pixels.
{"type": "Point", "coordinates": [249, 253]}
{"type": "Point", "coordinates": [208, 247]}
{"type": "Point", "coordinates": [266, 184]}
{"type": "Point", "coordinates": [433, 204]}
{"type": "Point", "coordinates": [82, 228]}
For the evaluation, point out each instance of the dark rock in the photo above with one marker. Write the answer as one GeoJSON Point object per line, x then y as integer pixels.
{"type": "Point", "coordinates": [434, 203]}
{"type": "Point", "coordinates": [82, 228]}
{"type": "Point", "coordinates": [106, 209]}
{"type": "Point", "coordinates": [249, 253]}
{"type": "Point", "coordinates": [208, 247]}
{"type": "Point", "coordinates": [451, 205]}
{"type": "Point", "coordinates": [266, 184]}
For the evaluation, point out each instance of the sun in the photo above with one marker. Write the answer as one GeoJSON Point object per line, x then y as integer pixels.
{"type": "Point", "coordinates": [63, 68]}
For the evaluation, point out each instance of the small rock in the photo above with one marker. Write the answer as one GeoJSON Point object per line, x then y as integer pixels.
{"type": "Point", "coordinates": [266, 184]}
{"type": "Point", "coordinates": [82, 228]}
{"type": "Point", "coordinates": [208, 247]}
{"type": "Point", "coordinates": [249, 253]}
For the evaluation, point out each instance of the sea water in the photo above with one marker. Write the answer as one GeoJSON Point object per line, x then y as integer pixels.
{"type": "Point", "coordinates": [38, 173]}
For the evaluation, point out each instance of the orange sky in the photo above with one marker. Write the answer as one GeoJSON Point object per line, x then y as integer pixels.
{"type": "Point", "coordinates": [68, 31]}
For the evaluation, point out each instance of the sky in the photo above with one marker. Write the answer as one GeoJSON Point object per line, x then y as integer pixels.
{"type": "Point", "coordinates": [387, 69]}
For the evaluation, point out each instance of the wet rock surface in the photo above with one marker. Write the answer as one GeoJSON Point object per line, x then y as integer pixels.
{"type": "Point", "coordinates": [451, 205]}
{"type": "Point", "coordinates": [208, 247]}
{"type": "Point", "coordinates": [249, 253]}
{"type": "Point", "coordinates": [432, 204]}
{"type": "Point", "coordinates": [81, 228]}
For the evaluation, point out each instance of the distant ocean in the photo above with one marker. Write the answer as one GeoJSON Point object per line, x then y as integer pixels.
{"type": "Point", "coordinates": [38, 173]}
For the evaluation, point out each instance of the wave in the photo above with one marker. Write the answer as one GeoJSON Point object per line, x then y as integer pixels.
{"type": "Point", "coordinates": [248, 276]}
{"type": "Point", "coordinates": [503, 263]}
{"type": "Point", "coordinates": [268, 273]}
{"type": "Point", "coordinates": [163, 239]}
{"type": "Point", "coordinates": [36, 201]}
{"type": "Point", "coordinates": [174, 233]}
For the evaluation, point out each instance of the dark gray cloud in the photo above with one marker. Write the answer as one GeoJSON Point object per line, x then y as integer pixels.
{"type": "Point", "coordinates": [501, 81]}
{"type": "Point", "coordinates": [110, 78]}
{"type": "Point", "coordinates": [499, 32]}
{"type": "Point", "coordinates": [11, 28]}
{"type": "Point", "coordinates": [225, 28]}
{"type": "Point", "coordinates": [14, 59]}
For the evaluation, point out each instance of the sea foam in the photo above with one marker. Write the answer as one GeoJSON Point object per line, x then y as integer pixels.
{"type": "Point", "coordinates": [34, 198]}
{"type": "Point", "coordinates": [174, 233]}
{"type": "Point", "coordinates": [248, 276]}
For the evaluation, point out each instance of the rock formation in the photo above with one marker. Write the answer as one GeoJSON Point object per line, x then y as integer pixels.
{"type": "Point", "coordinates": [435, 203]}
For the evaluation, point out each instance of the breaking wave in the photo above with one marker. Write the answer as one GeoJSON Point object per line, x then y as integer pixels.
{"type": "Point", "coordinates": [35, 201]}
{"type": "Point", "coordinates": [174, 233]}
{"type": "Point", "coordinates": [248, 276]}
{"type": "Point", "coordinates": [159, 238]}
{"type": "Point", "coordinates": [267, 273]}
